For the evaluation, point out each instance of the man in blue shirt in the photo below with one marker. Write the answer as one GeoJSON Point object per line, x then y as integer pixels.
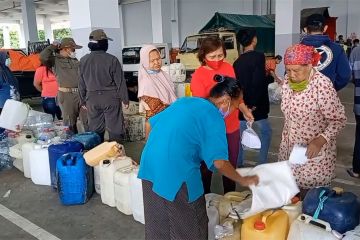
{"type": "Point", "coordinates": [333, 63]}
{"type": "Point", "coordinates": [189, 131]}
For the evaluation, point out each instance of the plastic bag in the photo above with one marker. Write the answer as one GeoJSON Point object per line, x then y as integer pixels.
{"type": "Point", "coordinates": [224, 230]}
{"type": "Point", "coordinates": [353, 234]}
{"type": "Point", "coordinates": [276, 186]}
{"type": "Point", "coordinates": [250, 139]}
{"type": "Point", "coordinates": [212, 210]}
{"type": "Point", "coordinates": [297, 155]}
{"type": "Point", "coordinates": [6, 161]}
{"type": "Point", "coordinates": [274, 90]}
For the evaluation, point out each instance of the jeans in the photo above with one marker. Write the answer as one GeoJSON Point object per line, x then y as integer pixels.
{"type": "Point", "coordinates": [265, 131]}
{"type": "Point", "coordinates": [51, 107]}
{"type": "Point", "coordinates": [356, 156]}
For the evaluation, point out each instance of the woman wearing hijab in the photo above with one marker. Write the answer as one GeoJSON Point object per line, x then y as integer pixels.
{"type": "Point", "coordinates": [9, 87]}
{"type": "Point", "coordinates": [314, 117]}
{"type": "Point", "coordinates": [156, 90]}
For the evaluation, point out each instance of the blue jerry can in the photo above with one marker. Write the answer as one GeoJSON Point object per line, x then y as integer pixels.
{"type": "Point", "coordinates": [75, 180]}
{"type": "Point", "coordinates": [340, 209]}
{"type": "Point", "coordinates": [56, 151]}
{"type": "Point", "coordinates": [88, 139]}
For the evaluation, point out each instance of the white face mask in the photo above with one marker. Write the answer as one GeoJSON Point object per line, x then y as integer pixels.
{"type": "Point", "coordinates": [8, 62]}
{"type": "Point", "coordinates": [72, 55]}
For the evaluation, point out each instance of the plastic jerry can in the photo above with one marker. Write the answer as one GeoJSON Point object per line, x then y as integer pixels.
{"type": "Point", "coordinates": [14, 115]}
{"type": "Point", "coordinates": [307, 228]}
{"type": "Point", "coordinates": [25, 137]}
{"type": "Point", "coordinates": [340, 209]}
{"type": "Point", "coordinates": [107, 171]}
{"type": "Point", "coordinates": [122, 190]}
{"type": "Point", "coordinates": [136, 194]}
{"type": "Point", "coordinates": [293, 210]}
{"type": "Point", "coordinates": [39, 165]}
{"type": "Point", "coordinates": [102, 152]}
{"type": "Point", "coordinates": [97, 179]}
{"type": "Point", "coordinates": [25, 151]}
{"type": "Point", "coordinates": [75, 181]}
{"type": "Point", "coordinates": [58, 150]}
{"type": "Point", "coordinates": [88, 139]}
{"type": "Point", "coordinates": [269, 225]}
{"type": "Point", "coordinates": [15, 152]}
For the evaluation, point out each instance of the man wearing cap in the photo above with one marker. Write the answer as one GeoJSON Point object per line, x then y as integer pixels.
{"type": "Point", "coordinates": [62, 58]}
{"type": "Point", "coordinates": [102, 88]}
{"type": "Point", "coordinates": [333, 63]}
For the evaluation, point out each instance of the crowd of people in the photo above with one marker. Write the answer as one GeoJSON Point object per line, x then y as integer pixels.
{"type": "Point", "coordinates": [187, 139]}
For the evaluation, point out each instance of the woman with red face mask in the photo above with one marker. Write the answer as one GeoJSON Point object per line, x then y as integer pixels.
{"type": "Point", "coordinates": [212, 55]}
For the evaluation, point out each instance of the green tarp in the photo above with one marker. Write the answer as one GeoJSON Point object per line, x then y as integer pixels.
{"type": "Point", "coordinates": [265, 28]}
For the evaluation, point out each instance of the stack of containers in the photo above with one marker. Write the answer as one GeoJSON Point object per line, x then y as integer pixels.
{"type": "Point", "coordinates": [134, 123]}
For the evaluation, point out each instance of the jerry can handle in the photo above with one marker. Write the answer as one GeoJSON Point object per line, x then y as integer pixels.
{"type": "Point", "coordinates": [69, 160]}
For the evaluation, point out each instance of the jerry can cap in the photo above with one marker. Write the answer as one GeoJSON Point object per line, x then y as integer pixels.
{"type": "Point", "coordinates": [259, 225]}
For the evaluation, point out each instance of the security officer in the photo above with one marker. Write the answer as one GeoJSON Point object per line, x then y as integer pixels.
{"type": "Point", "coordinates": [102, 88]}
{"type": "Point", "coordinates": [62, 58]}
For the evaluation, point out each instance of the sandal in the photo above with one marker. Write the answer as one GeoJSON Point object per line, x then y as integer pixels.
{"type": "Point", "coordinates": [352, 173]}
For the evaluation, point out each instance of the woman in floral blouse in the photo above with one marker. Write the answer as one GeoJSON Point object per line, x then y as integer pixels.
{"type": "Point", "coordinates": [314, 117]}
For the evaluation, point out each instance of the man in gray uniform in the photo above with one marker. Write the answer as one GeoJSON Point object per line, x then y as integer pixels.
{"type": "Point", "coordinates": [102, 88]}
{"type": "Point", "coordinates": [62, 58]}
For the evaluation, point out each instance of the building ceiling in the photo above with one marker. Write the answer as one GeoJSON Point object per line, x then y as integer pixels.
{"type": "Point", "coordinates": [56, 10]}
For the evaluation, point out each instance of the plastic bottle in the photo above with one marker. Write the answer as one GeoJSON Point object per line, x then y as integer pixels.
{"type": "Point", "coordinates": [5, 159]}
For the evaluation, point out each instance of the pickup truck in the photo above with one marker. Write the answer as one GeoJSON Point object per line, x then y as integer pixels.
{"type": "Point", "coordinates": [23, 67]}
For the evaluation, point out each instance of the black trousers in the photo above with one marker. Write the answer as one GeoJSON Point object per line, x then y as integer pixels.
{"type": "Point", "coordinates": [356, 155]}
{"type": "Point", "coordinates": [174, 220]}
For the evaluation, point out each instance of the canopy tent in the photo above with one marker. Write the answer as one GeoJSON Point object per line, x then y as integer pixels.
{"type": "Point", "coordinates": [265, 28]}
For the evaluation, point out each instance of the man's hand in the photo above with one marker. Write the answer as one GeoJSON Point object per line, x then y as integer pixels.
{"type": "Point", "coordinates": [249, 180]}
{"type": "Point", "coordinates": [314, 147]}
{"type": "Point", "coordinates": [84, 107]}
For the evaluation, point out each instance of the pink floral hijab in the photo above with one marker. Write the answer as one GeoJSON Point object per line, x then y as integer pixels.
{"type": "Point", "coordinates": [157, 85]}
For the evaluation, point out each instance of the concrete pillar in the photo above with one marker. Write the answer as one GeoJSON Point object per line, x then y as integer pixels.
{"type": "Point", "coordinates": [22, 36]}
{"type": "Point", "coordinates": [287, 27]}
{"type": "Point", "coordinates": [175, 39]}
{"type": "Point", "coordinates": [156, 21]}
{"type": "Point", "coordinates": [88, 15]}
{"type": "Point", "coordinates": [260, 7]}
{"type": "Point", "coordinates": [6, 36]}
{"type": "Point", "coordinates": [29, 20]}
{"type": "Point", "coordinates": [47, 29]}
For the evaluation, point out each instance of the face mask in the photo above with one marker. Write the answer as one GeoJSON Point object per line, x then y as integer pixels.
{"type": "Point", "coordinates": [149, 71]}
{"type": "Point", "coordinates": [214, 64]}
{"type": "Point", "coordinates": [298, 86]}
{"type": "Point", "coordinates": [225, 114]}
{"type": "Point", "coordinates": [8, 62]}
{"type": "Point", "coordinates": [72, 55]}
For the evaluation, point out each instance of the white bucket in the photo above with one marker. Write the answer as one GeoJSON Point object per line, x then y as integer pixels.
{"type": "Point", "coordinates": [39, 165]}
{"type": "Point", "coordinates": [26, 149]}
{"type": "Point", "coordinates": [136, 193]}
{"type": "Point", "coordinates": [107, 171]}
{"type": "Point", "coordinates": [14, 115]}
{"type": "Point", "coordinates": [122, 190]}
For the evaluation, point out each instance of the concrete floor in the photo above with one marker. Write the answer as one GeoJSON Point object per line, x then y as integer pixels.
{"type": "Point", "coordinates": [40, 205]}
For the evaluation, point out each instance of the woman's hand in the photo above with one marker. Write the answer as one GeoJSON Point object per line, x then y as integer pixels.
{"type": "Point", "coordinates": [247, 113]}
{"type": "Point", "coordinates": [249, 180]}
{"type": "Point", "coordinates": [315, 146]}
